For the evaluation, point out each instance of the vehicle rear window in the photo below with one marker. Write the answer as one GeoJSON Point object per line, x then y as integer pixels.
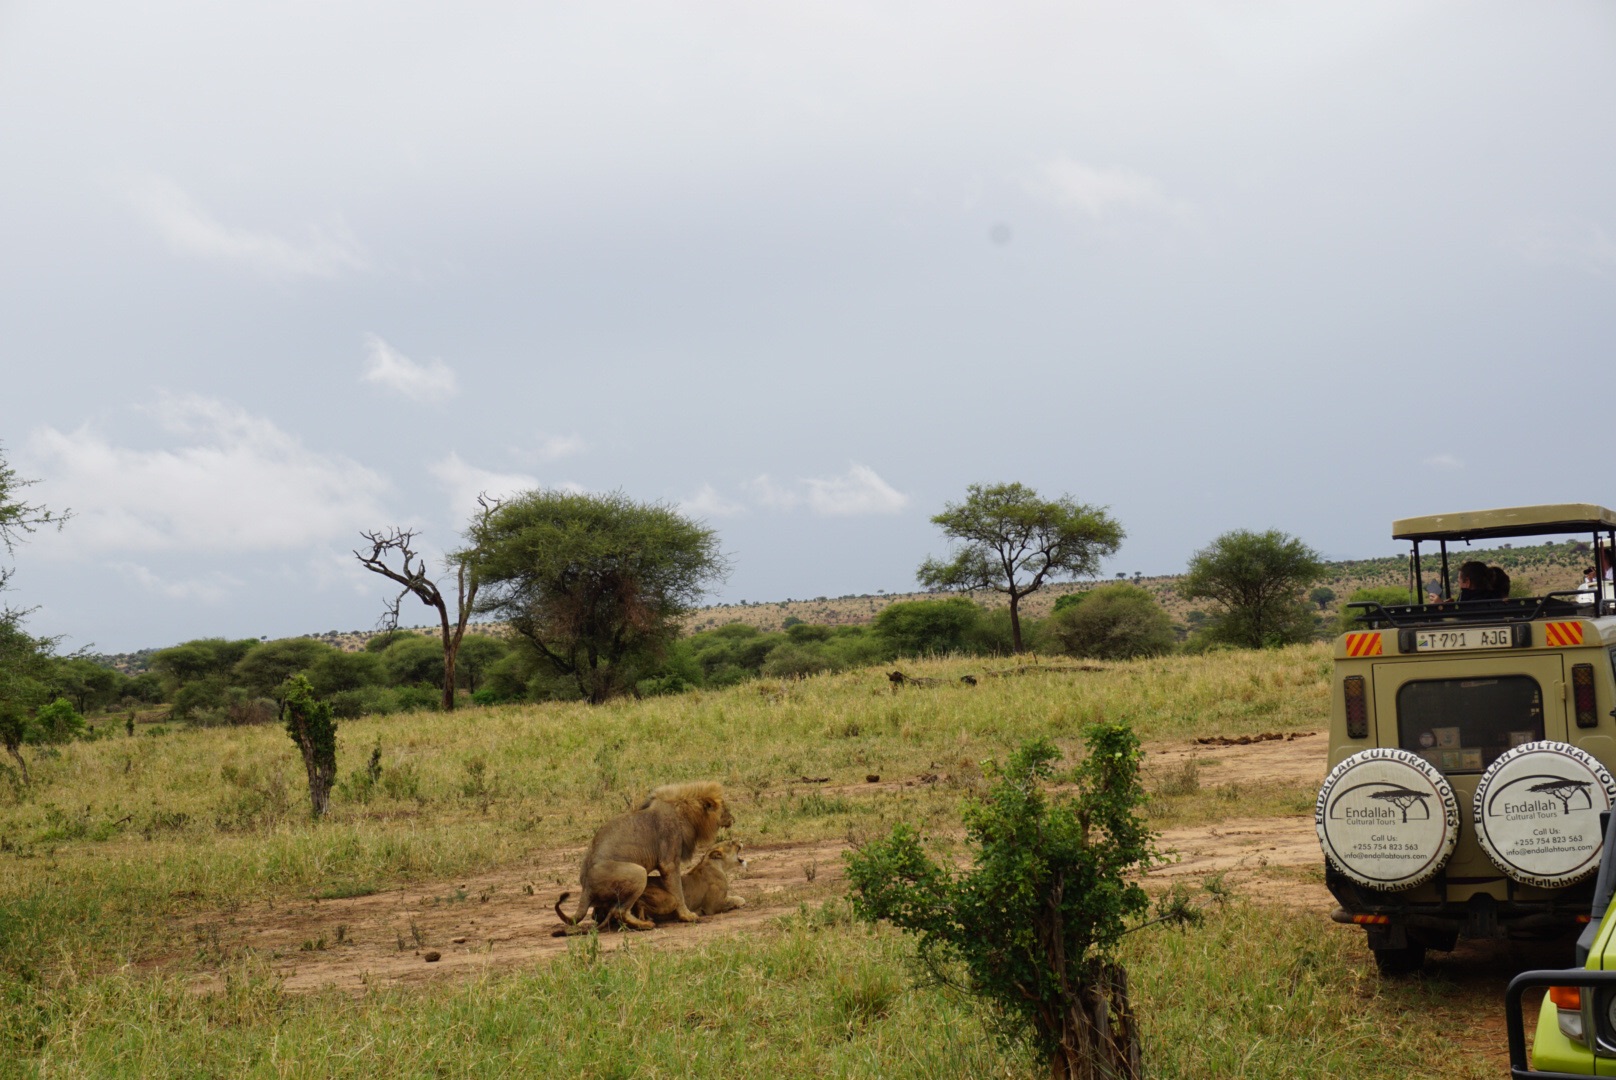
{"type": "Point", "coordinates": [1463, 725]}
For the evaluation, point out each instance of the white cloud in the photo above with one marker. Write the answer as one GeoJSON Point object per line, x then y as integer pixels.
{"type": "Point", "coordinates": [860, 491]}
{"type": "Point", "coordinates": [464, 482]}
{"type": "Point", "coordinates": [191, 230]}
{"type": "Point", "coordinates": [1580, 244]}
{"type": "Point", "coordinates": [765, 492]}
{"type": "Point", "coordinates": [550, 448]}
{"type": "Point", "coordinates": [856, 492]}
{"type": "Point", "coordinates": [1443, 461]}
{"type": "Point", "coordinates": [386, 366]}
{"type": "Point", "coordinates": [707, 502]}
{"type": "Point", "coordinates": [1101, 192]}
{"type": "Point", "coordinates": [238, 485]}
{"type": "Point", "coordinates": [211, 588]}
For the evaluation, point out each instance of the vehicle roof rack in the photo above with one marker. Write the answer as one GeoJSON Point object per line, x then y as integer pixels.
{"type": "Point", "coordinates": [1517, 609]}
{"type": "Point", "coordinates": [1547, 519]}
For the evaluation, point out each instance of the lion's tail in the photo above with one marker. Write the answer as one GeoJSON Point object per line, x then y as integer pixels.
{"type": "Point", "coordinates": [564, 917]}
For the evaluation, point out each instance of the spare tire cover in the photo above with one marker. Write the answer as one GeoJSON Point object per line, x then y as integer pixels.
{"type": "Point", "coordinates": [1537, 813]}
{"type": "Point", "coordinates": [1387, 819]}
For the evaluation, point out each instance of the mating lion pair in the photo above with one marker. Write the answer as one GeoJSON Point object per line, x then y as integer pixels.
{"type": "Point", "coordinates": [667, 828]}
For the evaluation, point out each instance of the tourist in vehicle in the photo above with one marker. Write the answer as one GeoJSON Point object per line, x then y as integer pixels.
{"type": "Point", "coordinates": [1499, 581]}
{"type": "Point", "coordinates": [1475, 581]}
{"type": "Point", "coordinates": [1590, 578]}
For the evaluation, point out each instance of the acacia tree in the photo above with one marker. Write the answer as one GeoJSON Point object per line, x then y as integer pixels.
{"type": "Point", "coordinates": [397, 544]}
{"type": "Point", "coordinates": [1035, 922]}
{"type": "Point", "coordinates": [24, 660]}
{"type": "Point", "coordinates": [595, 584]}
{"type": "Point", "coordinates": [1012, 542]}
{"type": "Point", "coordinates": [1257, 579]}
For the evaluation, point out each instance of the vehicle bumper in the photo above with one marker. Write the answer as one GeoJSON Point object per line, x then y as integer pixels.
{"type": "Point", "coordinates": [1554, 1056]}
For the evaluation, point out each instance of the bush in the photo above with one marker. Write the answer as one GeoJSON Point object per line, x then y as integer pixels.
{"type": "Point", "coordinates": [1111, 622]}
{"type": "Point", "coordinates": [1036, 919]}
{"type": "Point", "coordinates": [414, 659]}
{"type": "Point", "coordinates": [417, 698]}
{"type": "Point", "coordinates": [795, 661]}
{"type": "Point", "coordinates": [928, 627]}
{"type": "Point", "coordinates": [994, 636]}
{"type": "Point", "coordinates": [57, 722]}
{"type": "Point", "coordinates": [1386, 595]}
{"type": "Point", "coordinates": [209, 692]}
{"type": "Point", "coordinates": [730, 654]}
{"type": "Point", "coordinates": [335, 672]}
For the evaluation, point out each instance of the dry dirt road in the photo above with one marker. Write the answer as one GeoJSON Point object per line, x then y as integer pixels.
{"type": "Point", "coordinates": [504, 918]}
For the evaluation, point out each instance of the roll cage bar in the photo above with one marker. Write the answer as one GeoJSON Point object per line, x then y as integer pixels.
{"type": "Point", "coordinates": [1570, 519]}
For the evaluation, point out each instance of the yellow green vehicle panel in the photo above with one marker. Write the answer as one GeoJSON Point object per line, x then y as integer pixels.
{"type": "Point", "coordinates": [1552, 1051]}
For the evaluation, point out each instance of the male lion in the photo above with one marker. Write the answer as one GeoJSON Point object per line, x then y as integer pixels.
{"type": "Point", "coordinates": [706, 887]}
{"type": "Point", "coordinates": [660, 834]}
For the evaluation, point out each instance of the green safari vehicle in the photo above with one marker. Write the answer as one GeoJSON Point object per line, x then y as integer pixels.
{"type": "Point", "coordinates": [1576, 1024]}
{"type": "Point", "coordinates": [1472, 745]}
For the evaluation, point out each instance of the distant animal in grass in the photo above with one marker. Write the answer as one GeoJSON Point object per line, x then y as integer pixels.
{"type": "Point", "coordinates": [898, 678]}
{"type": "Point", "coordinates": [706, 886]}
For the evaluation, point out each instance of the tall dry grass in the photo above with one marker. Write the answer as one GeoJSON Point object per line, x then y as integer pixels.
{"type": "Point", "coordinates": [118, 840]}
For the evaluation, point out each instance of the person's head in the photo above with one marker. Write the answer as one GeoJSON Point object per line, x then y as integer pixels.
{"type": "Point", "coordinates": [1473, 575]}
{"type": "Point", "coordinates": [1498, 582]}
{"type": "Point", "coordinates": [1589, 574]}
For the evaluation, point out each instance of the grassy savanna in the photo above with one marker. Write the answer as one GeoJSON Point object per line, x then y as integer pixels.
{"type": "Point", "coordinates": [121, 844]}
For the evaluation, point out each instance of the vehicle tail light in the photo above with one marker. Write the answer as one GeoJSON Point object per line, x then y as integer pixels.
{"type": "Point", "coordinates": [1566, 997]}
{"type": "Point", "coordinates": [1582, 691]}
{"type": "Point", "coordinates": [1358, 705]}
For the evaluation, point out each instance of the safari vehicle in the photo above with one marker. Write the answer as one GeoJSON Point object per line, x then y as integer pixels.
{"type": "Point", "coordinates": [1472, 744]}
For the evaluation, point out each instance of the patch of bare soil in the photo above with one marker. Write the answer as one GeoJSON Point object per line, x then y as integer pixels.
{"type": "Point", "coordinates": [1297, 759]}
{"type": "Point", "coordinates": [504, 918]}
{"type": "Point", "coordinates": [475, 924]}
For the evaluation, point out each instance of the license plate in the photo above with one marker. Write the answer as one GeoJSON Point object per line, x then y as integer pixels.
{"type": "Point", "coordinates": [1471, 637]}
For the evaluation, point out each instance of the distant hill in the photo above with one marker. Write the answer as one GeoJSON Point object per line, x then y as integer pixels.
{"type": "Point", "coordinates": [1541, 567]}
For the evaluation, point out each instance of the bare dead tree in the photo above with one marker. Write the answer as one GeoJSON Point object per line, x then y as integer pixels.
{"type": "Point", "coordinates": [397, 545]}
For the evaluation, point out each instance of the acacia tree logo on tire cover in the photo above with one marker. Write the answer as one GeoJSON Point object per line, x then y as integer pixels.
{"type": "Point", "coordinates": [1553, 793]}
{"type": "Point", "coordinates": [1402, 798]}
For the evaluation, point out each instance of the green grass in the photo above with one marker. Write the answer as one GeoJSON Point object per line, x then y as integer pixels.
{"type": "Point", "coordinates": [1264, 992]}
{"type": "Point", "coordinates": [120, 841]}
{"type": "Point", "coordinates": [1252, 992]}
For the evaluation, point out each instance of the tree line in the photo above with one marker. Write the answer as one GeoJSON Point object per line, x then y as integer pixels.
{"type": "Point", "coordinates": [591, 591]}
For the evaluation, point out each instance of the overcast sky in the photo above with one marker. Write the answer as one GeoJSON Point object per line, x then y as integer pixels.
{"type": "Point", "coordinates": [271, 274]}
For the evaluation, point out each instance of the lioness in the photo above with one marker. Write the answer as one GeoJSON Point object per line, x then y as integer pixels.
{"type": "Point", "coordinates": [706, 887]}
{"type": "Point", "coordinates": [660, 834]}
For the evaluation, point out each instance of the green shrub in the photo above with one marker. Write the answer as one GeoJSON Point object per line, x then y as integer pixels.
{"type": "Point", "coordinates": [993, 635]}
{"type": "Point", "coordinates": [56, 722]}
{"type": "Point", "coordinates": [928, 627]}
{"type": "Point", "coordinates": [1112, 622]}
{"type": "Point", "coordinates": [795, 661]}
{"type": "Point", "coordinates": [1036, 920]}
{"type": "Point", "coordinates": [1386, 595]}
